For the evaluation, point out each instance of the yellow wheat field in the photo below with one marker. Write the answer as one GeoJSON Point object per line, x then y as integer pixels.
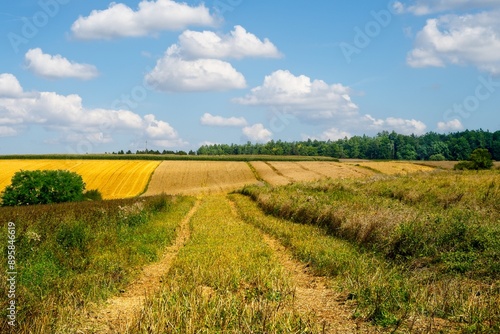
{"type": "Point", "coordinates": [113, 178]}
{"type": "Point", "coordinates": [193, 177]}
{"type": "Point", "coordinates": [395, 167]}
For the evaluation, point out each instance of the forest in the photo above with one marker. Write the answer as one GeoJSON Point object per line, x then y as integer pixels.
{"type": "Point", "coordinates": [385, 145]}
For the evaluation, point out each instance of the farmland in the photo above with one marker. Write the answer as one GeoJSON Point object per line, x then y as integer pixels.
{"type": "Point", "coordinates": [178, 177]}
{"type": "Point", "coordinates": [391, 168]}
{"type": "Point", "coordinates": [114, 179]}
{"type": "Point", "coordinates": [433, 238]}
{"type": "Point", "coordinates": [299, 246]}
{"type": "Point", "coordinates": [310, 171]}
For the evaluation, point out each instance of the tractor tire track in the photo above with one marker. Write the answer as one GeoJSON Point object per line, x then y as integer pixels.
{"type": "Point", "coordinates": [121, 310]}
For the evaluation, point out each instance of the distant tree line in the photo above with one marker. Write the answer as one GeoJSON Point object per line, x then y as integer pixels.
{"type": "Point", "coordinates": [157, 152]}
{"type": "Point", "coordinates": [385, 145]}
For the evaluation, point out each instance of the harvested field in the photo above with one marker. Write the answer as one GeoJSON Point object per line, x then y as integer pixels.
{"type": "Point", "coordinates": [180, 177]}
{"type": "Point", "coordinates": [270, 175]}
{"type": "Point", "coordinates": [281, 173]}
{"type": "Point", "coordinates": [113, 178]}
{"type": "Point", "coordinates": [336, 170]}
{"type": "Point", "coordinates": [394, 167]}
{"type": "Point", "coordinates": [295, 172]}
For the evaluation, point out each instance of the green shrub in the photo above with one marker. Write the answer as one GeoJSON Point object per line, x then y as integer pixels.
{"type": "Point", "coordinates": [464, 165]}
{"type": "Point", "coordinates": [478, 160]}
{"type": "Point", "coordinates": [437, 157]}
{"type": "Point", "coordinates": [481, 158]}
{"type": "Point", "coordinates": [92, 195]}
{"type": "Point", "coordinates": [43, 187]}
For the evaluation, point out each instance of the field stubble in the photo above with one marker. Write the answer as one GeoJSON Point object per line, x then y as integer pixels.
{"type": "Point", "coordinates": [194, 177]}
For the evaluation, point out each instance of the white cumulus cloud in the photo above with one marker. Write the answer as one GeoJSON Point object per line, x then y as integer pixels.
{"type": "Point", "coordinates": [65, 115]}
{"type": "Point", "coordinates": [472, 39]}
{"type": "Point", "coordinates": [211, 120]}
{"type": "Point", "coordinates": [399, 125]}
{"type": "Point", "coordinates": [57, 67]}
{"type": "Point", "coordinates": [174, 74]}
{"type": "Point", "coordinates": [425, 7]}
{"type": "Point", "coordinates": [237, 44]}
{"type": "Point", "coordinates": [257, 133]}
{"type": "Point", "coordinates": [332, 134]}
{"type": "Point", "coordinates": [301, 96]}
{"type": "Point", "coordinates": [453, 125]}
{"type": "Point", "coordinates": [9, 86]}
{"type": "Point", "coordinates": [6, 131]}
{"type": "Point", "coordinates": [318, 102]}
{"type": "Point", "coordinates": [119, 20]}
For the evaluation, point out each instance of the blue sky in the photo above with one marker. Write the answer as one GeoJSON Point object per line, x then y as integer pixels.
{"type": "Point", "coordinates": [96, 76]}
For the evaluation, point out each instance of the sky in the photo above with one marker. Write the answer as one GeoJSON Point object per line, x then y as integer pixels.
{"type": "Point", "coordinates": [97, 76]}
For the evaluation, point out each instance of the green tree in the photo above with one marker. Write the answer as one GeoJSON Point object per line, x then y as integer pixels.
{"type": "Point", "coordinates": [481, 158]}
{"type": "Point", "coordinates": [43, 187]}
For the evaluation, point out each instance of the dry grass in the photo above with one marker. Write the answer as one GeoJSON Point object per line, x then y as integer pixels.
{"type": "Point", "coordinates": [395, 167]}
{"type": "Point", "coordinates": [437, 233]}
{"type": "Point", "coordinates": [193, 177]}
{"type": "Point", "coordinates": [447, 164]}
{"type": "Point", "coordinates": [113, 178]}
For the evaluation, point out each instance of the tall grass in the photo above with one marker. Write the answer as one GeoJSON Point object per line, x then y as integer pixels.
{"type": "Point", "coordinates": [71, 257]}
{"type": "Point", "coordinates": [225, 280]}
{"type": "Point", "coordinates": [439, 231]}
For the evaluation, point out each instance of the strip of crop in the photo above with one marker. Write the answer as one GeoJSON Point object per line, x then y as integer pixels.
{"type": "Point", "coordinates": [225, 280]}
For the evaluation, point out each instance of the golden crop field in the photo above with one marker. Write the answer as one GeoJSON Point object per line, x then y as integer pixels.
{"type": "Point", "coordinates": [113, 178]}
{"type": "Point", "coordinates": [395, 167]}
{"type": "Point", "coordinates": [192, 177]}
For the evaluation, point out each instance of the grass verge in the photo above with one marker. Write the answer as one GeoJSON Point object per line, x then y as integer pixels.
{"type": "Point", "coordinates": [70, 257]}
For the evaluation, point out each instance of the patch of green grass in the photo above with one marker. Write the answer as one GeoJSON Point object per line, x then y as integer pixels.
{"type": "Point", "coordinates": [70, 256]}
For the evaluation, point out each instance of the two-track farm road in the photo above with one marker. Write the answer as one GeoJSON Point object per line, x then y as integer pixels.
{"type": "Point", "coordinates": [219, 262]}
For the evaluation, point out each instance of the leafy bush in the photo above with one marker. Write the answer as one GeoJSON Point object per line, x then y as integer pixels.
{"type": "Point", "coordinates": [92, 195]}
{"type": "Point", "coordinates": [464, 165]}
{"type": "Point", "coordinates": [43, 187]}
{"type": "Point", "coordinates": [478, 160]}
{"type": "Point", "coordinates": [481, 158]}
{"type": "Point", "coordinates": [437, 157]}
